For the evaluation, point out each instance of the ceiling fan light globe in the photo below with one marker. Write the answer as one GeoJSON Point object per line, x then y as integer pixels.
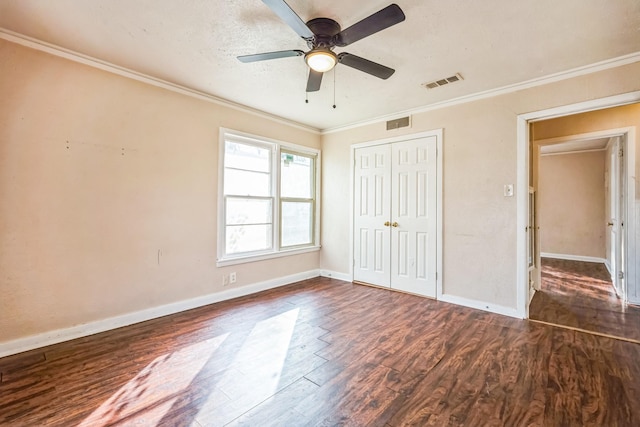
{"type": "Point", "coordinates": [321, 60]}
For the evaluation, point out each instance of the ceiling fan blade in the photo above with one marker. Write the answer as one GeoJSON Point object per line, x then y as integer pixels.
{"type": "Point", "coordinates": [385, 18]}
{"type": "Point", "coordinates": [284, 11]}
{"type": "Point", "coordinates": [365, 65]}
{"type": "Point", "coordinates": [270, 55]}
{"type": "Point", "coordinates": [314, 81]}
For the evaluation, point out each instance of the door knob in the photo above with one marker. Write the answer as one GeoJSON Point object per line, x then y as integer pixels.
{"type": "Point", "coordinates": [395, 224]}
{"type": "Point", "coordinates": [387, 223]}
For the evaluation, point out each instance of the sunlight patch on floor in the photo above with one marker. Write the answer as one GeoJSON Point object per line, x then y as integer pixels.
{"type": "Point", "coordinates": [147, 397]}
{"type": "Point", "coordinates": [256, 370]}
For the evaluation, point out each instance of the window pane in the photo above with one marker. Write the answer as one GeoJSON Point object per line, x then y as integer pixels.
{"type": "Point", "coordinates": [248, 211]}
{"type": "Point", "coordinates": [248, 238]}
{"type": "Point", "coordinates": [296, 174]}
{"type": "Point", "coordinates": [296, 223]}
{"type": "Point", "coordinates": [249, 157]}
{"type": "Point", "coordinates": [243, 183]}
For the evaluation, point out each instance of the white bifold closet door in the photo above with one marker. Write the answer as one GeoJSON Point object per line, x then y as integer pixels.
{"type": "Point", "coordinates": [395, 215]}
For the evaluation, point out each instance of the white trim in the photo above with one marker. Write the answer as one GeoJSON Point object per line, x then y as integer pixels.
{"type": "Point", "coordinates": [569, 257]}
{"type": "Point", "coordinates": [522, 220]}
{"type": "Point", "coordinates": [439, 212]}
{"type": "Point", "coordinates": [61, 52]}
{"type": "Point", "coordinates": [582, 107]}
{"type": "Point", "coordinates": [53, 337]}
{"type": "Point", "coordinates": [352, 165]}
{"type": "Point", "coordinates": [523, 120]}
{"type": "Point", "coordinates": [438, 133]}
{"type": "Point", "coordinates": [551, 78]}
{"type": "Point", "coordinates": [336, 275]}
{"type": "Point", "coordinates": [318, 200]}
{"type": "Point", "coordinates": [480, 305]}
{"type": "Point", "coordinates": [562, 153]}
{"type": "Point", "coordinates": [633, 295]}
{"type": "Point", "coordinates": [262, 257]}
{"type": "Point", "coordinates": [631, 220]}
{"type": "Point", "coordinates": [608, 265]}
{"type": "Point", "coordinates": [400, 138]}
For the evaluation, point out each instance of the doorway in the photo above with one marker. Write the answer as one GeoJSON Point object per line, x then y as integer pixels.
{"type": "Point", "coordinates": [580, 181]}
{"type": "Point", "coordinates": [527, 156]}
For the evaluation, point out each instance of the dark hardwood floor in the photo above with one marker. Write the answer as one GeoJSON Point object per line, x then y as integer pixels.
{"type": "Point", "coordinates": [580, 295]}
{"type": "Point", "coordinates": [327, 353]}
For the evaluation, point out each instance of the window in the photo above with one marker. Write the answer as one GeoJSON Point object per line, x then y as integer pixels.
{"type": "Point", "coordinates": [268, 198]}
{"type": "Point", "coordinates": [296, 199]}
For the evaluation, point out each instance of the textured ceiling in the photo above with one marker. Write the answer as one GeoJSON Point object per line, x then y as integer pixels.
{"type": "Point", "coordinates": [492, 43]}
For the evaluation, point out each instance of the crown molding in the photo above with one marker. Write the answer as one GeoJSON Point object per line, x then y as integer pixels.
{"type": "Point", "coordinates": [55, 50]}
{"type": "Point", "coordinates": [539, 81]}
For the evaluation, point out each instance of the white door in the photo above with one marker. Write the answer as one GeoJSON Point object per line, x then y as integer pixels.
{"type": "Point", "coordinates": [372, 213]}
{"type": "Point", "coordinates": [615, 223]}
{"type": "Point", "coordinates": [413, 231]}
{"type": "Point", "coordinates": [395, 227]}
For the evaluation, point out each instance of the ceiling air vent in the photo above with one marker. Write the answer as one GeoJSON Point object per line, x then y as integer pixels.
{"type": "Point", "coordinates": [442, 82]}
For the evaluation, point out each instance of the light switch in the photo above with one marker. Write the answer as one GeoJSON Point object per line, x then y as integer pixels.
{"type": "Point", "coordinates": [508, 190]}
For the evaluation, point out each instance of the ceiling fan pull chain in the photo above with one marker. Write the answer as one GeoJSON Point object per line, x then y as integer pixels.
{"type": "Point", "coordinates": [334, 88]}
{"type": "Point", "coordinates": [306, 93]}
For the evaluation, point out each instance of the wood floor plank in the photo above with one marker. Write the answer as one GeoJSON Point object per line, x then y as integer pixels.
{"type": "Point", "coordinates": [580, 295]}
{"type": "Point", "coordinates": [354, 397]}
{"type": "Point", "coordinates": [278, 410]}
{"type": "Point", "coordinates": [325, 353]}
{"type": "Point", "coordinates": [585, 387]}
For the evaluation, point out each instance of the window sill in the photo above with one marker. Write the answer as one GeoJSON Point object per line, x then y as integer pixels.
{"type": "Point", "coordinates": [253, 258]}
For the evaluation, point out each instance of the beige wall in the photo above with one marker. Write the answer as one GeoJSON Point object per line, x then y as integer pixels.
{"type": "Point", "coordinates": [571, 201]}
{"type": "Point", "coordinates": [479, 157]}
{"type": "Point", "coordinates": [108, 194]}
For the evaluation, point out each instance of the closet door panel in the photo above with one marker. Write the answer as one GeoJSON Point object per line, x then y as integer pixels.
{"type": "Point", "coordinates": [372, 210]}
{"type": "Point", "coordinates": [413, 208]}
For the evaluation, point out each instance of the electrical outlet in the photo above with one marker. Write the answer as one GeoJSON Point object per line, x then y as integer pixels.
{"type": "Point", "coordinates": [232, 277]}
{"type": "Point", "coordinates": [508, 190]}
{"type": "Point", "coordinates": [225, 280]}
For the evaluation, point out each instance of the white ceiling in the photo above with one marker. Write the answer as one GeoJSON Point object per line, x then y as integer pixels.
{"type": "Point", "coordinates": [492, 43]}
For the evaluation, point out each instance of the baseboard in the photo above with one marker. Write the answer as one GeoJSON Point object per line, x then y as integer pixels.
{"type": "Point", "coordinates": [573, 257]}
{"type": "Point", "coordinates": [336, 275]}
{"type": "Point", "coordinates": [32, 342]}
{"type": "Point", "coordinates": [481, 305]}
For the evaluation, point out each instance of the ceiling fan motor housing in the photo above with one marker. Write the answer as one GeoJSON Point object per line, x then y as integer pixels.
{"type": "Point", "coordinates": [325, 30]}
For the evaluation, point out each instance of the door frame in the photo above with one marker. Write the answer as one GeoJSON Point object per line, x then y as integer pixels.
{"type": "Point", "coordinates": [523, 171]}
{"type": "Point", "coordinates": [438, 133]}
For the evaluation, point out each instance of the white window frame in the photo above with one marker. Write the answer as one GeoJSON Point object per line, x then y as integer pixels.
{"type": "Point", "coordinates": [276, 148]}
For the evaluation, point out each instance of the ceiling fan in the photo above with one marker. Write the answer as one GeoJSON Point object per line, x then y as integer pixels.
{"type": "Point", "coordinates": [323, 35]}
